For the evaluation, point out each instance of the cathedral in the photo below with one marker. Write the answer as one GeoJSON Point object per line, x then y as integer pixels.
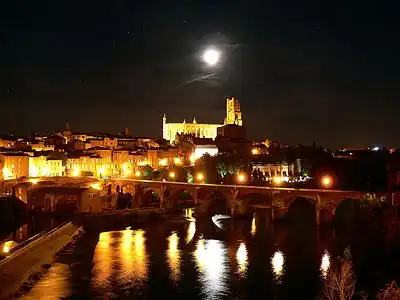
{"type": "Point", "coordinates": [233, 116]}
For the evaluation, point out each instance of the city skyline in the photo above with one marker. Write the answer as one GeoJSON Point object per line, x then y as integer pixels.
{"type": "Point", "coordinates": [303, 73]}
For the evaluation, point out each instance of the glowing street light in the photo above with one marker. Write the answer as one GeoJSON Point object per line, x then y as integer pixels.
{"type": "Point", "coordinates": [242, 178]}
{"type": "Point", "coordinates": [255, 151]}
{"type": "Point", "coordinates": [277, 180]}
{"type": "Point", "coordinates": [211, 56]}
{"type": "Point", "coordinates": [326, 181]}
{"type": "Point", "coordinates": [177, 161]}
{"type": "Point", "coordinates": [172, 175]}
{"type": "Point", "coordinates": [137, 173]}
{"type": "Point", "coordinates": [163, 162]}
{"type": "Point", "coordinates": [96, 186]}
{"type": "Point", "coordinates": [200, 177]}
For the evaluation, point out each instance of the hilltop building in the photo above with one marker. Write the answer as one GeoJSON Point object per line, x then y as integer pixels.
{"type": "Point", "coordinates": [233, 116]}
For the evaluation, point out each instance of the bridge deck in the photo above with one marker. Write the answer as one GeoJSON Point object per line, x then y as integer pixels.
{"type": "Point", "coordinates": [186, 184]}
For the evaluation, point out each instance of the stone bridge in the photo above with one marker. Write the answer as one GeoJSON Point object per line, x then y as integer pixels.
{"type": "Point", "coordinates": [236, 200]}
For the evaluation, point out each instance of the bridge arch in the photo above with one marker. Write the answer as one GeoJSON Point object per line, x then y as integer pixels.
{"type": "Point", "coordinates": [182, 197]}
{"type": "Point", "coordinates": [216, 202]}
{"type": "Point", "coordinates": [251, 200]}
{"type": "Point", "coordinates": [150, 197]}
{"type": "Point", "coordinates": [346, 210]}
{"type": "Point", "coordinates": [128, 188]}
{"type": "Point", "coordinates": [302, 210]}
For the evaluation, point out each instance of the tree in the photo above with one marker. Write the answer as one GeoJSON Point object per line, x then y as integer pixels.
{"type": "Point", "coordinates": [147, 172]}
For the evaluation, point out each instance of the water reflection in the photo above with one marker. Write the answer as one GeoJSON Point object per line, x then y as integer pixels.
{"type": "Point", "coordinates": [102, 258]}
{"type": "Point", "coordinates": [277, 262]}
{"type": "Point", "coordinates": [174, 256]}
{"type": "Point", "coordinates": [189, 213]}
{"type": "Point", "coordinates": [140, 257]}
{"type": "Point", "coordinates": [217, 220]}
{"type": "Point", "coordinates": [212, 263]}
{"type": "Point", "coordinates": [325, 263]}
{"type": "Point", "coordinates": [121, 254]}
{"type": "Point", "coordinates": [127, 256]}
{"type": "Point", "coordinates": [241, 257]}
{"type": "Point", "coordinates": [55, 284]}
{"type": "Point", "coordinates": [253, 226]}
{"type": "Point", "coordinates": [191, 231]}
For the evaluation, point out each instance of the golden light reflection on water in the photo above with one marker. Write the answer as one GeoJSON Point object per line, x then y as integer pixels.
{"type": "Point", "coordinates": [126, 251]}
{"type": "Point", "coordinates": [253, 226]}
{"type": "Point", "coordinates": [241, 257]}
{"type": "Point", "coordinates": [191, 231]}
{"type": "Point", "coordinates": [325, 263]}
{"type": "Point", "coordinates": [212, 263]}
{"type": "Point", "coordinates": [277, 262]}
{"type": "Point", "coordinates": [102, 257]}
{"type": "Point", "coordinates": [54, 285]}
{"type": "Point", "coordinates": [174, 256]}
{"type": "Point", "coordinates": [140, 256]}
{"type": "Point", "coordinates": [120, 254]}
{"type": "Point", "coordinates": [189, 213]}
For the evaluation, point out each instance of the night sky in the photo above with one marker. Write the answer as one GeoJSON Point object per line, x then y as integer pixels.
{"type": "Point", "coordinates": [304, 71]}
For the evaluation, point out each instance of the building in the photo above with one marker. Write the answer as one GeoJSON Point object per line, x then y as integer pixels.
{"type": "Point", "coordinates": [8, 141]}
{"type": "Point", "coordinates": [65, 199]}
{"type": "Point", "coordinates": [233, 116]}
{"type": "Point", "coordinates": [88, 164]}
{"type": "Point", "coordinates": [55, 167]}
{"type": "Point", "coordinates": [104, 142]}
{"type": "Point", "coordinates": [233, 112]}
{"type": "Point", "coordinates": [15, 165]}
{"type": "Point", "coordinates": [42, 146]}
{"type": "Point", "coordinates": [201, 150]}
{"type": "Point", "coordinates": [271, 168]}
{"type": "Point", "coordinates": [42, 166]}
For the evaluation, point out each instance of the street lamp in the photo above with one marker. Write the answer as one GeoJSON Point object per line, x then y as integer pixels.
{"type": "Point", "coordinates": [242, 178]}
{"type": "Point", "coordinates": [326, 181]}
{"type": "Point", "coordinates": [211, 57]}
{"type": "Point", "coordinates": [137, 174]}
{"type": "Point", "coordinates": [277, 180]}
{"type": "Point", "coordinates": [172, 175]}
{"type": "Point", "coordinates": [200, 177]}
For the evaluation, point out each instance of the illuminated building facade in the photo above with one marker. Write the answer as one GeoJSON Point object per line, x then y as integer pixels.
{"type": "Point", "coordinates": [233, 112]}
{"type": "Point", "coordinates": [96, 165]}
{"type": "Point", "coordinates": [233, 116]}
{"type": "Point", "coordinates": [105, 142]}
{"type": "Point", "coordinates": [42, 166]}
{"type": "Point", "coordinates": [15, 165]}
{"type": "Point", "coordinates": [71, 199]}
{"type": "Point", "coordinates": [41, 146]}
{"type": "Point", "coordinates": [7, 143]}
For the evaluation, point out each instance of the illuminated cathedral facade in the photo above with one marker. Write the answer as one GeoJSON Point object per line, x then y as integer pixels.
{"type": "Point", "coordinates": [233, 116]}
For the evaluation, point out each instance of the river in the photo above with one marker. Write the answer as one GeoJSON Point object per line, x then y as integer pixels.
{"type": "Point", "coordinates": [222, 259]}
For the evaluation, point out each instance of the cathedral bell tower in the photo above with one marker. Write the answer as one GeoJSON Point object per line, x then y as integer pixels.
{"type": "Point", "coordinates": [233, 112]}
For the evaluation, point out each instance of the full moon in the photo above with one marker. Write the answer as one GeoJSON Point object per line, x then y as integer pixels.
{"type": "Point", "coordinates": [211, 57]}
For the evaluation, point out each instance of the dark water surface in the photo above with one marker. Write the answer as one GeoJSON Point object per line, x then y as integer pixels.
{"type": "Point", "coordinates": [227, 260]}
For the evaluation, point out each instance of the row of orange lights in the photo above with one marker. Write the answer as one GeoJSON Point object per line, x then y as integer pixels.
{"type": "Point", "coordinates": [326, 181]}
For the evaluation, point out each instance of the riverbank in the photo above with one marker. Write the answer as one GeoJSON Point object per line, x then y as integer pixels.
{"type": "Point", "coordinates": [70, 273]}
{"type": "Point", "coordinates": [18, 267]}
